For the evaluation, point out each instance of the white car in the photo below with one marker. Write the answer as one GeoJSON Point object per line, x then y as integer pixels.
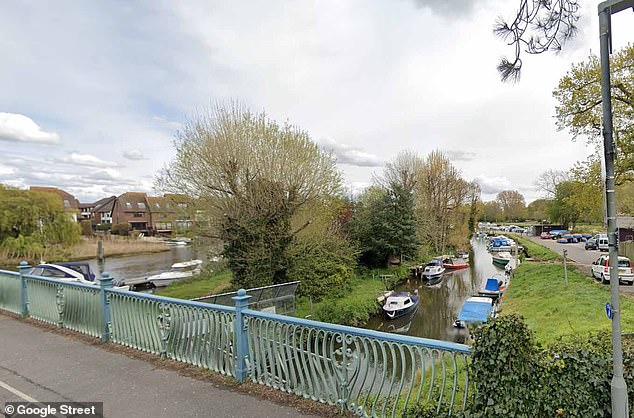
{"type": "Point", "coordinates": [600, 270]}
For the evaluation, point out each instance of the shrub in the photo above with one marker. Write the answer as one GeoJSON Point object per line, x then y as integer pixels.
{"type": "Point", "coordinates": [121, 229]}
{"type": "Point", "coordinates": [103, 227]}
{"type": "Point", "coordinates": [322, 264]}
{"type": "Point", "coordinates": [86, 227]}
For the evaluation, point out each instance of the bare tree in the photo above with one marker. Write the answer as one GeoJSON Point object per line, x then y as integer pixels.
{"type": "Point", "coordinates": [539, 26]}
{"type": "Point", "coordinates": [402, 172]}
{"type": "Point", "coordinates": [548, 180]}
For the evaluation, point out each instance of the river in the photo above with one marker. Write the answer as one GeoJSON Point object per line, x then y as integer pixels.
{"type": "Point", "coordinates": [441, 302]}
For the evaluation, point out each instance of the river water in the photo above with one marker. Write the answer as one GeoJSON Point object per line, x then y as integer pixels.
{"type": "Point", "coordinates": [440, 302]}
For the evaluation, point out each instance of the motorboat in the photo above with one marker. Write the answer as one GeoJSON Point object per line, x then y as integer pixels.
{"type": "Point", "coordinates": [498, 244]}
{"type": "Point", "coordinates": [455, 263]}
{"type": "Point", "coordinates": [398, 304]}
{"type": "Point", "coordinates": [502, 258]}
{"type": "Point", "coordinates": [494, 287]}
{"type": "Point", "coordinates": [65, 272]}
{"type": "Point", "coordinates": [462, 254]}
{"type": "Point", "coordinates": [476, 310]}
{"type": "Point", "coordinates": [187, 264]}
{"type": "Point", "coordinates": [181, 270]}
{"type": "Point", "coordinates": [434, 268]}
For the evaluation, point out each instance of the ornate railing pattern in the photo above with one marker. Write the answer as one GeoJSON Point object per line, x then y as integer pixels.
{"type": "Point", "coordinates": [369, 373]}
{"type": "Point", "coordinates": [10, 291]}
{"type": "Point", "coordinates": [191, 332]}
{"type": "Point", "coordinates": [74, 306]}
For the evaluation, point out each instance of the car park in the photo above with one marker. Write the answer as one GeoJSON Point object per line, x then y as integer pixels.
{"type": "Point", "coordinates": [600, 270]}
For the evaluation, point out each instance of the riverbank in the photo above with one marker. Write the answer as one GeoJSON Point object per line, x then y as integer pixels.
{"type": "Point", "coordinates": [551, 309]}
{"type": "Point", "coordinates": [201, 285]}
{"type": "Point", "coordinates": [87, 248]}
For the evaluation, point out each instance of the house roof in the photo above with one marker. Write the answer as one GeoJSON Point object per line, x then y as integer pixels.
{"type": "Point", "coordinates": [105, 205]}
{"type": "Point", "coordinates": [625, 221]}
{"type": "Point", "coordinates": [160, 204]}
{"type": "Point", "coordinates": [133, 202]}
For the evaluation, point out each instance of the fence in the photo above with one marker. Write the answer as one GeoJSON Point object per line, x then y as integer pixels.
{"type": "Point", "coordinates": [367, 372]}
{"type": "Point", "coordinates": [627, 249]}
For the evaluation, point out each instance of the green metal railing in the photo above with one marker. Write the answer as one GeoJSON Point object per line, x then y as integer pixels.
{"type": "Point", "coordinates": [367, 372]}
{"type": "Point", "coordinates": [10, 291]}
{"type": "Point", "coordinates": [74, 306]}
{"type": "Point", "coordinates": [190, 332]}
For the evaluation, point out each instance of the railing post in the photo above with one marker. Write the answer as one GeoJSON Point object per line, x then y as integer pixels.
{"type": "Point", "coordinates": [240, 338]}
{"type": "Point", "coordinates": [105, 283]}
{"type": "Point", "coordinates": [24, 302]}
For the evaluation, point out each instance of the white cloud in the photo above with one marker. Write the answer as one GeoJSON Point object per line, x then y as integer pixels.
{"type": "Point", "coordinates": [170, 124]}
{"type": "Point", "coordinates": [133, 154]}
{"type": "Point", "coordinates": [460, 155]}
{"type": "Point", "coordinates": [5, 170]}
{"type": "Point", "coordinates": [349, 155]}
{"type": "Point", "coordinates": [87, 160]}
{"type": "Point", "coordinates": [15, 127]}
{"type": "Point", "coordinates": [493, 185]}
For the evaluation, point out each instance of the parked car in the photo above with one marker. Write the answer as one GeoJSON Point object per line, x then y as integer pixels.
{"type": "Point", "coordinates": [545, 235]}
{"type": "Point", "coordinates": [600, 270]}
{"type": "Point", "coordinates": [591, 243]}
{"type": "Point", "coordinates": [602, 242]}
{"type": "Point", "coordinates": [556, 234]}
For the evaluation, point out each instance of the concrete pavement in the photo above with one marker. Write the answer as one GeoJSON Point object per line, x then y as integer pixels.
{"type": "Point", "coordinates": [46, 366]}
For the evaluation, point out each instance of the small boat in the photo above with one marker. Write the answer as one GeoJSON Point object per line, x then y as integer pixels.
{"type": "Point", "coordinates": [398, 304]}
{"type": "Point", "coordinates": [501, 244]}
{"type": "Point", "coordinates": [455, 263]}
{"type": "Point", "coordinates": [502, 258]}
{"type": "Point", "coordinates": [475, 311]}
{"type": "Point", "coordinates": [494, 287]}
{"type": "Point", "coordinates": [462, 254]}
{"type": "Point", "coordinates": [434, 268]}
{"type": "Point", "coordinates": [187, 264]}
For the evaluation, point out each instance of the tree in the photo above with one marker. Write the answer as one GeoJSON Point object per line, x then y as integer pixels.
{"type": "Point", "coordinates": [579, 106]}
{"type": "Point", "coordinates": [252, 175]}
{"type": "Point", "coordinates": [440, 193]}
{"type": "Point", "coordinates": [538, 209]}
{"type": "Point", "coordinates": [547, 181]}
{"type": "Point", "coordinates": [539, 26]}
{"type": "Point", "coordinates": [402, 171]}
{"type": "Point", "coordinates": [513, 205]}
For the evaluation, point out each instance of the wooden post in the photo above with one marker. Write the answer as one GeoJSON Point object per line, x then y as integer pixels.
{"type": "Point", "coordinates": [100, 250]}
{"type": "Point", "coordinates": [566, 267]}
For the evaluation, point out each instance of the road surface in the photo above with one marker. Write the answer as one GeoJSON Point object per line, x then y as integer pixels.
{"type": "Point", "coordinates": [39, 364]}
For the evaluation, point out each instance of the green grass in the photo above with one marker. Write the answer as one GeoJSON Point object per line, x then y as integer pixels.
{"type": "Point", "coordinates": [201, 285]}
{"type": "Point", "coordinates": [536, 251]}
{"type": "Point", "coordinates": [538, 292]}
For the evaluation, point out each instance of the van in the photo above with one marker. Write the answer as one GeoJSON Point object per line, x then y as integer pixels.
{"type": "Point", "coordinates": [602, 243]}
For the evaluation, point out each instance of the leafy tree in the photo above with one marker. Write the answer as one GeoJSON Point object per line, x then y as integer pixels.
{"type": "Point", "coordinates": [579, 106]}
{"type": "Point", "coordinates": [513, 205]}
{"type": "Point", "coordinates": [538, 209]}
{"type": "Point", "coordinates": [252, 175]}
{"type": "Point", "coordinates": [491, 211]}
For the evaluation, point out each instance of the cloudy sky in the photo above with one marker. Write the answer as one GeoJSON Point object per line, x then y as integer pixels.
{"type": "Point", "coordinates": [93, 92]}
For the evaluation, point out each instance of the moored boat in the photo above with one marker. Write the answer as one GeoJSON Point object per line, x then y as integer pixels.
{"type": "Point", "coordinates": [434, 268]}
{"type": "Point", "coordinates": [475, 311]}
{"type": "Point", "coordinates": [455, 263]}
{"type": "Point", "coordinates": [501, 258]}
{"type": "Point", "coordinates": [398, 304]}
{"type": "Point", "coordinates": [494, 287]}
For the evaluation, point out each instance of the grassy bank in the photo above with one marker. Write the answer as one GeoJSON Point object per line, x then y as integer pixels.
{"type": "Point", "coordinates": [201, 285]}
{"type": "Point", "coordinates": [536, 251]}
{"type": "Point", "coordinates": [538, 292]}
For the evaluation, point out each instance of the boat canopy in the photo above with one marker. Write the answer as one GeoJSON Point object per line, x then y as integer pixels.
{"type": "Point", "coordinates": [476, 309]}
{"type": "Point", "coordinates": [492, 285]}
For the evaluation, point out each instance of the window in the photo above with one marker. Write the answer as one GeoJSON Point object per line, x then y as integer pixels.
{"type": "Point", "coordinates": [158, 205]}
{"type": "Point", "coordinates": [128, 205]}
{"type": "Point", "coordinates": [66, 203]}
{"type": "Point", "coordinates": [141, 205]}
{"type": "Point", "coordinates": [49, 272]}
{"type": "Point", "coordinates": [138, 214]}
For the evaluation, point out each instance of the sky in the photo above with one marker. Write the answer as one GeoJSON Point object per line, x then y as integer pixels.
{"type": "Point", "coordinates": [92, 93]}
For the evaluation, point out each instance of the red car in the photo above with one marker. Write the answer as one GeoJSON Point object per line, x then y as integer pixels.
{"type": "Point", "coordinates": [545, 235]}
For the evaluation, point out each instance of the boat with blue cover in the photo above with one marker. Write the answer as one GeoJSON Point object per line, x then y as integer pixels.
{"type": "Point", "coordinates": [494, 287]}
{"type": "Point", "coordinates": [476, 311]}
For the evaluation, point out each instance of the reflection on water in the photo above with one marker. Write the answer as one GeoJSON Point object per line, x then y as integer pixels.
{"type": "Point", "coordinates": [441, 299]}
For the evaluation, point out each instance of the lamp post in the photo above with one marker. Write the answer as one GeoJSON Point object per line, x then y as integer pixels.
{"type": "Point", "coordinates": [618, 385]}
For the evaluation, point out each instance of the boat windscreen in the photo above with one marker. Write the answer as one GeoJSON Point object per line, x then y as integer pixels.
{"type": "Point", "coordinates": [492, 285]}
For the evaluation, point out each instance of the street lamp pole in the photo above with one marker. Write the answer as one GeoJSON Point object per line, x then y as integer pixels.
{"type": "Point", "coordinates": [618, 385]}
